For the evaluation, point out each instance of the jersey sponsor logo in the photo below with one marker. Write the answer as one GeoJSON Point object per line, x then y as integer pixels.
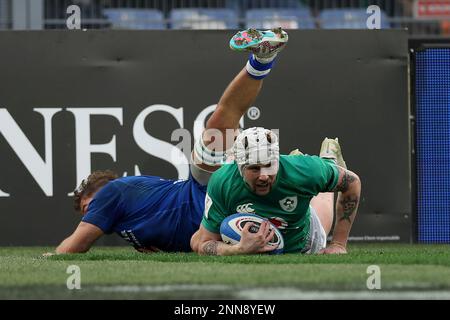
{"type": "Point", "coordinates": [208, 203]}
{"type": "Point", "coordinates": [278, 222]}
{"type": "Point", "coordinates": [245, 208]}
{"type": "Point", "coordinates": [289, 203]}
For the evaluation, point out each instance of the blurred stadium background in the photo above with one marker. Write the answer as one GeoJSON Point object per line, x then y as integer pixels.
{"type": "Point", "coordinates": [427, 22]}
{"type": "Point", "coordinates": [421, 17]}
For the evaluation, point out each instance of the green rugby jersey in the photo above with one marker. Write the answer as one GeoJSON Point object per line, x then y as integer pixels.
{"type": "Point", "coordinates": [299, 179]}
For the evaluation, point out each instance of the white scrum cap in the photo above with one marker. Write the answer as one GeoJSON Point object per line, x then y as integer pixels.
{"type": "Point", "coordinates": [257, 146]}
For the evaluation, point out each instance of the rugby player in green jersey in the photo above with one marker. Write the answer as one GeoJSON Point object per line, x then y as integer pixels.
{"type": "Point", "coordinates": [294, 192]}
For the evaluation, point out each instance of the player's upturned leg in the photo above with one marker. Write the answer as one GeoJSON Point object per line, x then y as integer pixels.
{"type": "Point", "coordinates": [323, 202]}
{"type": "Point", "coordinates": [330, 149]}
{"type": "Point", "coordinates": [323, 205]}
{"type": "Point", "coordinates": [265, 44]}
{"type": "Point", "coordinates": [240, 93]}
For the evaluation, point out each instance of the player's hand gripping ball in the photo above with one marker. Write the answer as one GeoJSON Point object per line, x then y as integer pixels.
{"type": "Point", "coordinates": [231, 230]}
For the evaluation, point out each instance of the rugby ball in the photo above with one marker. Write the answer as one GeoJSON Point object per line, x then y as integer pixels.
{"type": "Point", "coordinates": [231, 230]}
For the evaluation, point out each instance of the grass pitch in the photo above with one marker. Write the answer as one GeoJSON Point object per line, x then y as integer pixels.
{"type": "Point", "coordinates": [407, 272]}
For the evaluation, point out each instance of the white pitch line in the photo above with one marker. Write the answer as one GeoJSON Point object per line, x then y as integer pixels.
{"type": "Point", "coordinates": [297, 294]}
{"type": "Point", "coordinates": [162, 288]}
{"type": "Point", "coordinates": [283, 293]}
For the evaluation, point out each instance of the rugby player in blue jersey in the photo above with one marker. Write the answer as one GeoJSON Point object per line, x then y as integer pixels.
{"type": "Point", "coordinates": [153, 213]}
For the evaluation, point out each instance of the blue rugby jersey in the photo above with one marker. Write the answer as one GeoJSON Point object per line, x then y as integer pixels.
{"type": "Point", "coordinates": [149, 211]}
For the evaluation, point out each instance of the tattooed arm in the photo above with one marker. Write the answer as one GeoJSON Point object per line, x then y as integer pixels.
{"type": "Point", "coordinates": [349, 188]}
{"type": "Point", "coordinates": [207, 243]}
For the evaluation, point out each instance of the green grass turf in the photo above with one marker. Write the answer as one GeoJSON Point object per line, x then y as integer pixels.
{"type": "Point", "coordinates": [123, 273]}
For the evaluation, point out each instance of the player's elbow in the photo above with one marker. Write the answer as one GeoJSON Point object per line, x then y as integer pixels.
{"type": "Point", "coordinates": [80, 249]}
{"type": "Point", "coordinates": [198, 243]}
{"type": "Point", "coordinates": [357, 182]}
{"type": "Point", "coordinates": [195, 242]}
{"type": "Point", "coordinates": [354, 183]}
{"type": "Point", "coordinates": [67, 250]}
{"type": "Point", "coordinates": [68, 246]}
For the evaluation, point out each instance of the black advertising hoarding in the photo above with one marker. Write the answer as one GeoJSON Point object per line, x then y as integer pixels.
{"type": "Point", "coordinates": [73, 102]}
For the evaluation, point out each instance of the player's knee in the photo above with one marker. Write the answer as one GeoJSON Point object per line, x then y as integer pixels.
{"type": "Point", "coordinates": [226, 116]}
{"type": "Point", "coordinates": [215, 123]}
{"type": "Point", "coordinates": [209, 149]}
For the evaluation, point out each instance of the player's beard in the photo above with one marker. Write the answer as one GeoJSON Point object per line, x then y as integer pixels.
{"type": "Point", "coordinates": [262, 188]}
